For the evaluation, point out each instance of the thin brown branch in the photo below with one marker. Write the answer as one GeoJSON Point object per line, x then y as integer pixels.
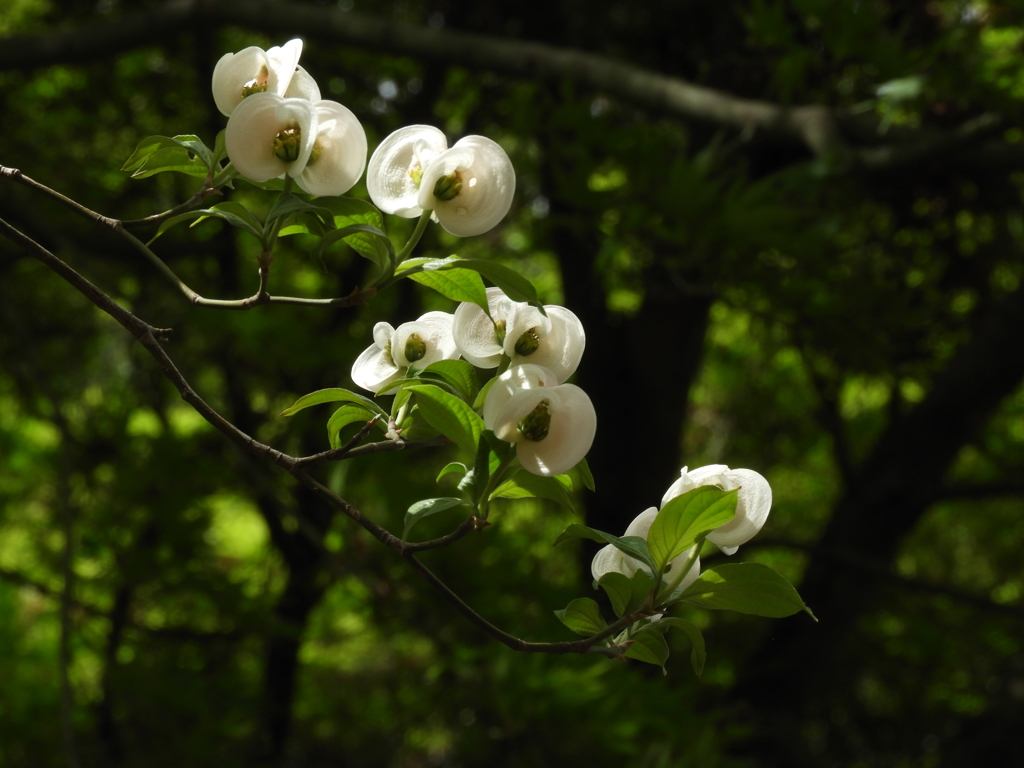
{"type": "Point", "coordinates": [261, 297]}
{"type": "Point", "coordinates": [147, 337]}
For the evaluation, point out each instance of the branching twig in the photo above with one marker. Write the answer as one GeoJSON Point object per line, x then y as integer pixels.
{"type": "Point", "coordinates": [261, 297]}
{"type": "Point", "coordinates": [147, 336]}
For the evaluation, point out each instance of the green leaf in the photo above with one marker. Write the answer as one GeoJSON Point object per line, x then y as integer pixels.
{"type": "Point", "coordinates": [747, 588]}
{"type": "Point", "coordinates": [334, 395]}
{"type": "Point", "coordinates": [481, 396]}
{"type": "Point", "coordinates": [450, 416]}
{"type": "Point", "coordinates": [234, 214]}
{"type": "Point", "coordinates": [376, 247]}
{"type": "Point", "coordinates": [634, 546]}
{"type": "Point", "coordinates": [525, 485]}
{"type": "Point", "coordinates": [698, 655]}
{"type": "Point", "coordinates": [426, 508]}
{"type": "Point", "coordinates": [157, 154]}
{"type": "Point", "coordinates": [513, 284]}
{"type": "Point", "coordinates": [341, 418]}
{"type": "Point", "coordinates": [455, 466]}
{"type": "Point", "coordinates": [683, 519]}
{"type": "Point", "coordinates": [626, 594]}
{"type": "Point", "coordinates": [650, 648]}
{"type": "Point", "coordinates": [455, 284]}
{"type": "Point", "coordinates": [288, 203]}
{"type": "Point", "coordinates": [401, 398]}
{"type": "Point", "coordinates": [366, 240]}
{"type": "Point", "coordinates": [195, 145]}
{"type": "Point", "coordinates": [582, 616]}
{"type": "Point", "coordinates": [220, 150]}
{"type": "Point", "coordinates": [588, 479]}
{"type": "Point", "coordinates": [460, 374]}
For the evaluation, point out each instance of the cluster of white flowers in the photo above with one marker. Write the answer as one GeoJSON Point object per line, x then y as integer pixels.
{"type": "Point", "coordinates": [551, 423]}
{"type": "Point", "coordinates": [469, 187]}
{"type": "Point", "coordinates": [753, 503]}
{"type": "Point", "coordinates": [279, 126]}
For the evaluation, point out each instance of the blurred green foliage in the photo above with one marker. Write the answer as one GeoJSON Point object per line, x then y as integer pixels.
{"type": "Point", "coordinates": [831, 302]}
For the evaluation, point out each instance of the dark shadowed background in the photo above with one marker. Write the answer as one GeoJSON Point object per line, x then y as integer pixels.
{"type": "Point", "coordinates": [811, 269]}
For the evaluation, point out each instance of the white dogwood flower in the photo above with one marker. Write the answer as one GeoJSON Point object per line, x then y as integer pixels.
{"type": "Point", "coordinates": [552, 425]}
{"type": "Point", "coordinates": [396, 167]}
{"type": "Point", "coordinates": [517, 329]}
{"type": "Point", "coordinates": [320, 144]}
{"type": "Point", "coordinates": [253, 70]}
{"type": "Point", "coordinates": [610, 559]}
{"type": "Point", "coordinates": [469, 187]}
{"type": "Point", "coordinates": [753, 502]}
{"type": "Point", "coordinates": [420, 343]}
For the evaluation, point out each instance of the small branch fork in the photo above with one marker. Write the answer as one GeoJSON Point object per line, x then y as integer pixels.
{"type": "Point", "coordinates": [149, 337]}
{"type": "Point", "coordinates": [262, 296]}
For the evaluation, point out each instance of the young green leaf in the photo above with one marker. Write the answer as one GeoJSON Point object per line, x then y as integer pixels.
{"type": "Point", "coordinates": [634, 546]}
{"type": "Point", "coordinates": [458, 373]}
{"type": "Point", "coordinates": [650, 648]}
{"type": "Point", "coordinates": [234, 214]}
{"type": "Point", "coordinates": [341, 418]}
{"type": "Point", "coordinates": [288, 203]}
{"type": "Point", "coordinates": [455, 284]}
{"type": "Point", "coordinates": [746, 588]}
{"type": "Point", "coordinates": [366, 240]}
{"type": "Point", "coordinates": [455, 466]}
{"type": "Point", "coordinates": [582, 616]}
{"type": "Point", "coordinates": [525, 485]}
{"type": "Point", "coordinates": [687, 517]}
{"type": "Point", "coordinates": [333, 395]}
{"type": "Point", "coordinates": [449, 415]}
{"type": "Point", "coordinates": [513, 284]}
{"type": "Point", "coordinates": [584, 469]}
{"type": "Point", "coordinates": [426, 508]}
{"type": "Point", "coordinates": [626, 594]}
{"type": "Point", "coordinates": [157, 154]}
{"type": "Point", "coordinates": [698, 654]}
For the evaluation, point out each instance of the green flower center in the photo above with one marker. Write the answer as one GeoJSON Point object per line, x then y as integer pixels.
{"type": "Point", "coordinates": [288, 144]}
{"type": "Point", "coordinates": [258, 84]}
{"type": "Point", "coordinates": [537, 422]}
{"type": "Point", "coordinates": [528, 343]}
{"type": "Point", "coordinates": [448, 187]}
{"type": "Point", "coordinates": [415, 348]}
{"type": "Point", "coordinates": [417, 175]}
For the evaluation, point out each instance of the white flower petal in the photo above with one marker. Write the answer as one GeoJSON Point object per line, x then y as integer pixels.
{"type": "Point", "coordinates": [474, 332]}
{"type": "Point", "coordinates": [301, 114]}
{"type": "Point", "coordinates": [390, 176]}
{"type": "Point", "coordinates": [302, 86]}
{"type": "Point", "coordinates": [488, 185]}
{"type": "Point", "coordinates": [752, 508]}
{"type": "Point", "coordinates": [561, 346]}
{"type": "Point", "coordinates": [753, 503]}
{"type": "Point", "coordinates": [382, 333]}
{"type": "Point", "coordinates": [570, 434]}
{"type": "Point", "coordinates": [341, 143]}
{"type": "Point", "coordinates": [435, 331]}
{"type": "Point", "coordinates": [233, 72]}
{"type": "Point", "coordinates": [608, 560]}
{"type": "Point", "coordinates": [521, 318]}
{"type": "Point", "coordinates": [283, 62]}
{"type": "Point", "coordinates": [511, 381]}
{"type": "Point", "coordinates": [374, 368]}
{"type": "Point", "coordinates": [249, 137]}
